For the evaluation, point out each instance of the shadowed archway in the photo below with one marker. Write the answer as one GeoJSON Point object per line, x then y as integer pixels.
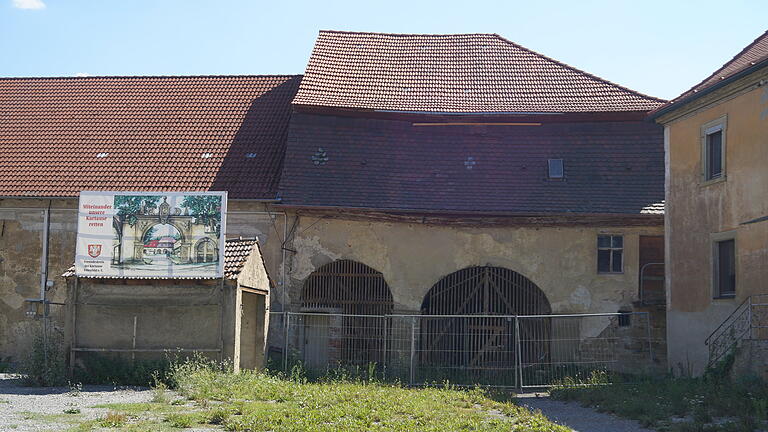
{"type": "Point", "coordinates": [468, 322]}
{"type": "Point", "coordinates": [346, 302]}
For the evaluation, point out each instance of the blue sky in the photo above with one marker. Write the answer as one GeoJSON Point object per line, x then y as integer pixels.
{"type": "Point", "coordinates": [656, 47]}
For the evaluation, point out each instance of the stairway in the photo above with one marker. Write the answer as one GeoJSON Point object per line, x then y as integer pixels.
{"type": "Point", "coordinates": [749, 322]}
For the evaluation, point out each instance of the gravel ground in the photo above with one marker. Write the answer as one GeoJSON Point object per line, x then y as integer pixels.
{"type": "Point", "coordinates": [32, 408]}
{"type": "Point", "coordinates": [577, 417]}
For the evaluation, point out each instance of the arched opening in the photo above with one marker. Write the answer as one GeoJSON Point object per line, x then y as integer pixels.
{"type": "Point", "coordinates": [161, 243]}
{"type": "Point", "coordinates": [468, 322]}
{"type": "Point", "coordinates": [346, 301]}
{"type": "Point", "coordinates": [206, 251]}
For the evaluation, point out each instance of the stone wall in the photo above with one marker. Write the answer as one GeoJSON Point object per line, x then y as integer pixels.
{"type": "Point", "coordinates": [21, 246]}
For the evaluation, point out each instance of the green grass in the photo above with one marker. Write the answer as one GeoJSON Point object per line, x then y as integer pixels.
{"type": "Point", "coordinates": [253, 401]}
{"type": "Point", "coordinates": [680, 404]}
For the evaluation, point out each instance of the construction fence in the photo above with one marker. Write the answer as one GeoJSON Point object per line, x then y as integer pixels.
{"type": "Point", "coordinates": [517, 351]}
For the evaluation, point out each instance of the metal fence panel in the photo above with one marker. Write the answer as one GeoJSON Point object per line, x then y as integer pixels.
{"type": "Point", "coordinates": [492, 350]}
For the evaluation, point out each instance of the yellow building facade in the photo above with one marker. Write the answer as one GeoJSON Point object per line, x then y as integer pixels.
{"type": "Point", "coordinates": [716, 142]}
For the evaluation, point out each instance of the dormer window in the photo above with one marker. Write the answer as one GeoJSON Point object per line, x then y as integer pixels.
{"type": "Point", "coordinates": [555, 169]}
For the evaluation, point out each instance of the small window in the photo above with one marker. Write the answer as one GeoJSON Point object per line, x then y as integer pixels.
{"type": "Point", "coordinates": [556, 170]}
{"type": "Point", "coordinates": [713, 150]}
{"type": "Point", "coordinates": [610, 254]}
{"type": "Point", "coordinates": [724, 270]}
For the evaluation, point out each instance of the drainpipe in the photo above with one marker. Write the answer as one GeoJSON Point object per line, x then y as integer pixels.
{"type": "Point", "coordinates": [281, 283]}
{"type": "Point", "coordinates": [44, 256]}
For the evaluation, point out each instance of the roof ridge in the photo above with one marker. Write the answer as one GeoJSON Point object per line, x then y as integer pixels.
{"type": "Point", "coordinates": [725, 65]}
{"type": "Point", "coordinates": [150, 76]}
{"type": "Point", "coordinates": [579, 70]}
{"type": "Point", "coordinates": [405, 34]}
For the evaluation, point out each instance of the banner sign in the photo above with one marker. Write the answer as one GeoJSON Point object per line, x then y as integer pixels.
{"type": "Point", "coordinates": [151, 234]}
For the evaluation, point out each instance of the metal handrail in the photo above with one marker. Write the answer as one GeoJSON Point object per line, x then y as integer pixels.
{"type": "Point", "coordinates": [725, 321]}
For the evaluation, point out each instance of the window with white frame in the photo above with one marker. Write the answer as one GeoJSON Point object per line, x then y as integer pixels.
{"type": "Point", "coordinates": [724, 266]}
{"type": "Point", "coordinates": [713, 150]}
{"type": "Point", "coordinates": [610, 253]}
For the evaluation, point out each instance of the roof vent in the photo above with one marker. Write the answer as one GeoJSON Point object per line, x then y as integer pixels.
{"type": "Point", "coordinates": [206, 155]}
{"type": "Point", "coordinates": [320, 157]}
{"type": "Point", "coordinates": [102, 155]}
{"type": "Point", "coordinates": [470, 162]}
{"type": "Point", "coordinates": [556, 170]}
{"type": "Point", "coordinates": [250, 155]}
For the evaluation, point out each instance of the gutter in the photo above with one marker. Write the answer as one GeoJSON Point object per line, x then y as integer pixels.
{"type": "Point", "coordinates": [461, 212]}
{"type": "Point", "coordinates": [44, 257]}
{"type": "Point", "coordinates": [673, 105]}
{"type": "Point", "coordinates": [33, 197]}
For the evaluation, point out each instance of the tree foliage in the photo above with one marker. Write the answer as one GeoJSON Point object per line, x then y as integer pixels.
{"type": "Point", "coordinates": [205, 209]}
{"type": "Point", "coordinates": [128, 206]}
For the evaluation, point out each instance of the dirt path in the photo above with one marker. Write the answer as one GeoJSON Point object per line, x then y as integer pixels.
{"type": "Point", "coordinates": [577, 417]}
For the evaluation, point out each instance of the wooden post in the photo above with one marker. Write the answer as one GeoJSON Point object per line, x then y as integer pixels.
{"type": "Point", "coordinates": [133, 344]}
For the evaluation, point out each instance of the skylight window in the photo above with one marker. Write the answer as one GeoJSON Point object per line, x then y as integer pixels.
{"type": "Point", "coordinates": [102, 155]}
{"type": "Point", "coordinates": [206, 155]}
{"type": "Point", "coordinates": [556, 169]}
{"type": "Point", "coordinates": [250, 155]}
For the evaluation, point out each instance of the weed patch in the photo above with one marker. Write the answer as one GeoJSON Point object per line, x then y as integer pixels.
{"type": "Point", "coordinates": [113, 420]}
{"type": "Point", "coordinates": [44, 364]}
{"type": "Point", "coordinates": [249, 401]}
{"type": "Point", "coordinates": [711, 403]}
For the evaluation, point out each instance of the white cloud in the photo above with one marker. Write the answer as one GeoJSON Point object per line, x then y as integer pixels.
{"type": "Point", "coordinates": [29, 4]}
{"type": "Point", "coordinates": [82, 74]}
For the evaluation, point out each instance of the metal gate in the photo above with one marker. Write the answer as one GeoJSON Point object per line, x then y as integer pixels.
{"type": "Point", "coordinates": [349, 292]}
{"type": "Point", "coordinates": [504, 355]}
{"type": "Point", "coordinates": [467, 326]}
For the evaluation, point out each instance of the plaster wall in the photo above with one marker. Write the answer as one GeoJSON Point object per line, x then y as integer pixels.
{"type": "Point", "coordinates": [696, 210]}
{"type": "Point", "coordinates": [21, 240]}
{"type": "Point", "coordinates": [562, 261]}
{"type": "Point", "coordinates": [155, 315]}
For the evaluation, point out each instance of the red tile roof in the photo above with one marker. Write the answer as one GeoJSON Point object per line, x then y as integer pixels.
{"type": "Point", "coordinates": [754, 53]}
{"type": "Point", "coordinates": [236, 253]}
{"type": "Point", "coordinates": [196, 133]}
{"type": "Point", "coordinates": [351, 162]}
{"type": "Point", "coordinates": [464, 73]}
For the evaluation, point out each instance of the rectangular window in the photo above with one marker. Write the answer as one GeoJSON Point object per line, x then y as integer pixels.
{"type": "Point", "coordinates": [714, 155]}
{"type": "Point", "coordinates": [713, 150]}
{"type": "Point", "coordinates": [610, 253]}
{"type": "Point", "coordinates": [724, 271]}
{"type": "Point", "coordinates": [556, 170]}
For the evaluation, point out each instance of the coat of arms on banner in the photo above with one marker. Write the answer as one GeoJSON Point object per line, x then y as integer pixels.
{"type": "Point", "coordinates": [94, 250]}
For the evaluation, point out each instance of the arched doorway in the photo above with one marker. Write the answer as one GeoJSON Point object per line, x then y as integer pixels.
{"type": "Point", "coordinates": [206, 251]}
{"type": "Point", "coordinates": [346, 301]}
{"type": "Point", "coordinates": [468, 323]}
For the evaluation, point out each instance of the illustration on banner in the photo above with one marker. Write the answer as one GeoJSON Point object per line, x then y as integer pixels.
{"type": "Point", "coordinates": [154, 234]}
{"type": "Point", "coordinates": [151, 233]}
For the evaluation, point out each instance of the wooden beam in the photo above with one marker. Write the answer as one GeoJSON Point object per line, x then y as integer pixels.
{"type": "Point", "coordinates": [476, 124]}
